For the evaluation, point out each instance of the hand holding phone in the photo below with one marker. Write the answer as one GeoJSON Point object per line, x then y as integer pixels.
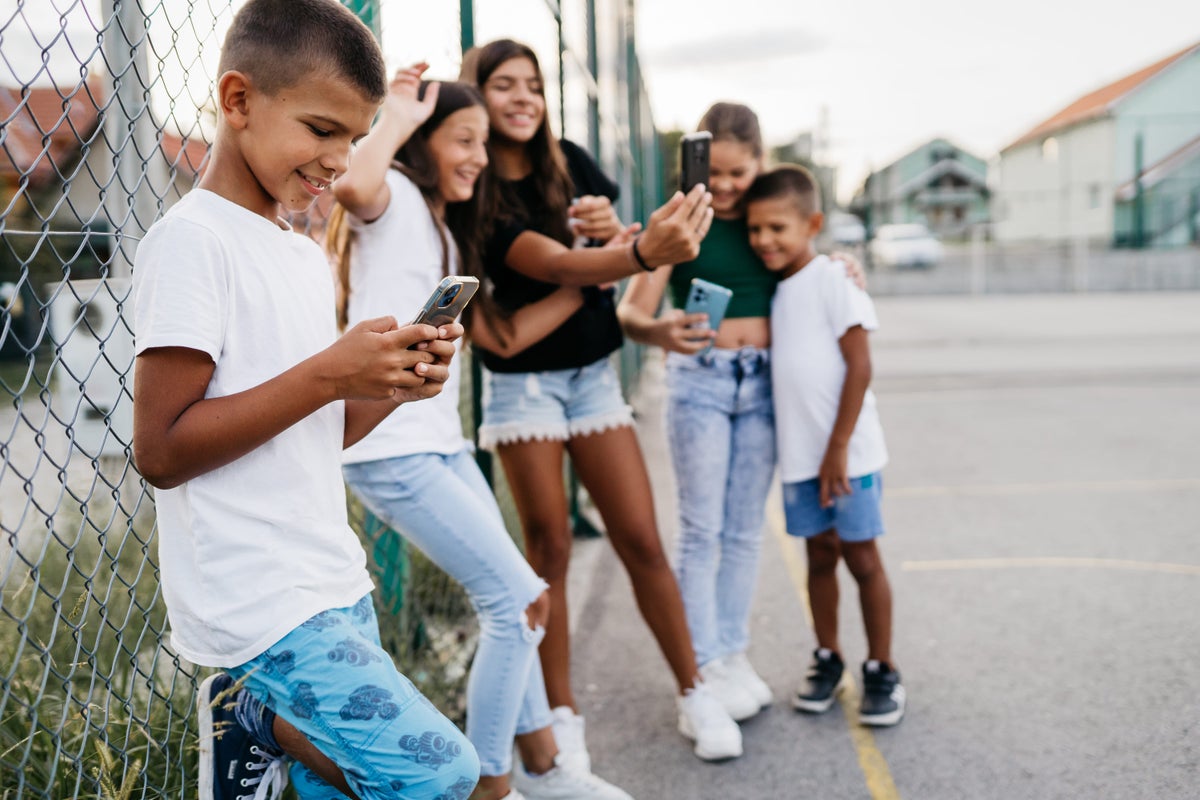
{"type": "Point", "coordinates": [694, 154]}
{"type": "Point", "coordinates": [447, 301]}
{"type": "Point", "coordinates": [705, 297]}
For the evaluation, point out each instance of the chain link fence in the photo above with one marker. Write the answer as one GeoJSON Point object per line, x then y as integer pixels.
{"type": "Point", "coordinates": [105, 119]}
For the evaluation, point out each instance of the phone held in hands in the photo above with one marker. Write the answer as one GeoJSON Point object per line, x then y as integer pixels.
{"type": "Point", "coordinates": [694, 152]}
{"type": "Point", "coordinates": [705, 297]}
{"type": "Point", "coordinates": [447, 301]}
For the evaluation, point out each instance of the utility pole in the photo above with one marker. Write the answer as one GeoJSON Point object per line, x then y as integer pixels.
{"type": "Point", "coordinates": [129, 199]}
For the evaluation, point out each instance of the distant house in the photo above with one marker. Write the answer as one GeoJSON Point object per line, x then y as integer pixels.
{"type": "Point", "coordinates": [937, 184]}
{"type": "Point", "coordinates": [1120, 165]}
{"type": "Point", "coordinates": [56, 166]}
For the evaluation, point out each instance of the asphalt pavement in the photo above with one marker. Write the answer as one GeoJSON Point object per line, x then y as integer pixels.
{"type": "Point", "coordinates": [1043, 514]}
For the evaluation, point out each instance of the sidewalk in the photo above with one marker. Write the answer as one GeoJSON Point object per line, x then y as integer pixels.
{"type": "Point", "coordinates": [1041, 505]}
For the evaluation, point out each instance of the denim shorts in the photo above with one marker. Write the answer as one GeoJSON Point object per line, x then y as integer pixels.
{"type": "Point", "coordinates": [555, 405]}
{"type": "Point", "coordinates": [855, 516]}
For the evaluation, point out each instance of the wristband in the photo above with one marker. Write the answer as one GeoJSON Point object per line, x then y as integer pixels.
{"type": "Point", "coordinates": [641, 262]}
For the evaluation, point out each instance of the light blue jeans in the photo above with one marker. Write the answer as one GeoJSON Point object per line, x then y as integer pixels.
{"type": "Point", "coordinates": [443, 505]}
{"type": "Point", "coordinates": [721, 429]}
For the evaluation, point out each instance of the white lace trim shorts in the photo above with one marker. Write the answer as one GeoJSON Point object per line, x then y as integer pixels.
{"type": "Point", "coordinates": [555, 405]}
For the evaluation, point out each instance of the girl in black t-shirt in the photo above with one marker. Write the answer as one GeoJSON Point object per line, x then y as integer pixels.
{"type": "Point", "coordinates": [562, 396]}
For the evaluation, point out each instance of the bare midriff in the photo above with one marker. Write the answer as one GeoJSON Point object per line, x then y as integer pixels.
{"type": "Point", "coordinates": [744, 332]}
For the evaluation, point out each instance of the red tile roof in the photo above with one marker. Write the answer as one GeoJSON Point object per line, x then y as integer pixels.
{"type": "Point", "coordinates": [42, 130]}
{"type": "Point", "coordinates": [1099, 102]}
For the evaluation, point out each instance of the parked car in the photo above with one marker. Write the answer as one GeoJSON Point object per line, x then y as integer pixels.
{"type": "Point", "coordinates": [907, 245]}
{"type": "Point", "coordinates": [846, 229]}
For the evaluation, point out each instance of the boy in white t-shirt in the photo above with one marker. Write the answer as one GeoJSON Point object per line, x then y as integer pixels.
{"type": "Point", "coordinates": [244, 400]}
{"type": "Point", "coordinates": [829, 438]}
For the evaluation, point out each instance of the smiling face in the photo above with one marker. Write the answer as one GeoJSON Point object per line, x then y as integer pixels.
{"type": "Point", "coordinates": [732, 168]}
{"type": "Point", "coordinates": [459, 148]}
{"type": "Point", "coordinates": [516, 104]}
{"type": "Point", "coordinates": [294, 142]}
{"type": "Point", "coordinates": [781, 234]}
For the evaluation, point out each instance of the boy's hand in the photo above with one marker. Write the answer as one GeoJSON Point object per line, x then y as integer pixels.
{"type": "Point", "coordinates": [372, 360]}
{"type": "Point", "coordinates": [680, 332]}
{"type": "Point", "coordinates": [437, 372]}
{"type": "Point", "coordinates": [594, 217]}
{"type": "Point", "coordinates": [834, 480]}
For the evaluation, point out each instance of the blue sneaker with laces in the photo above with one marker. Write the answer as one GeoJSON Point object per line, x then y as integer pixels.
{"type": "Point", "coordinates": [233, 764]}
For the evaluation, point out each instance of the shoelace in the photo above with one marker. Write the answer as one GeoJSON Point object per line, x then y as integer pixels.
{"type": "Point", "coordinates": [272, 781]}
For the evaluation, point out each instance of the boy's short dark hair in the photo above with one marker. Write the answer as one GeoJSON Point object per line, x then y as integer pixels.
{"type": "Point", "coordinates": [276, 43]}
{"type": "Point", "coordinates": [791, 181]}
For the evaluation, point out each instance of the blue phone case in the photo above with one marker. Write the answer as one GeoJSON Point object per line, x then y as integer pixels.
{"type": "Point", "coordinates": [708, 298]}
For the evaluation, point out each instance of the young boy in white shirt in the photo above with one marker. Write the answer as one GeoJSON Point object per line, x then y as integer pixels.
{"type": "Point", "coordinates": [244, 400]}
{"type": "Point", "coordinates": [830, 442]}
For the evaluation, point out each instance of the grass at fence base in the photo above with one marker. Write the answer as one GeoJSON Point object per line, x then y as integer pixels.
{"type": "Point", "coordinates": [92, 704]}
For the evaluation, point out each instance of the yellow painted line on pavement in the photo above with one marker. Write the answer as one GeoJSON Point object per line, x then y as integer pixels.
{"type": "Point", "coordinates": [1007, 489]}
{"type": "Point", "coordinates": [1027, 563]}
{"type": "Point", "coordinates": [870, 760]}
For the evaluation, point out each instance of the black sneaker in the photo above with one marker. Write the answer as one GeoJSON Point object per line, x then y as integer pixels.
{"type": "Point", "coordinates": [883, 696]}
{"type": "Point", "coordinates": [233, 764]}
{"type": "Point", "coordinates": [822, 684]}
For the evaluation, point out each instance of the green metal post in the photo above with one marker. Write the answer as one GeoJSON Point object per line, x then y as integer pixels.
{"type": "Point", "coordinates": [367, 11]}
{"type": "Point", "coordinates": [1139, 200]}
{"type": "Point", "coordinates": [562, 77]}
{"type": "Point", "coordinates": [1193, 222]}
{"type": "Point", "coordinates": [466, 40]}
{"type": "Point", "coordinates": [466, 24]}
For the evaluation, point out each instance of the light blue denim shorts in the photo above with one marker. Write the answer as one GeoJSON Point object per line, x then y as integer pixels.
{"type": "Point", "coordinates": [331, 679]}
{"type": "Point", "coordinates": [855, 516]}
{"type": "Point", "coordinates": [555, 405]}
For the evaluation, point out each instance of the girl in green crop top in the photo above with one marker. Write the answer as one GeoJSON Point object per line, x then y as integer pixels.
{"type": "Point", "coordinates": [720, 422]}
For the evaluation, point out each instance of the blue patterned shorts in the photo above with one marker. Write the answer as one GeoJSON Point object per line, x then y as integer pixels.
{"type": "Point", "coordinates": [331, 680]}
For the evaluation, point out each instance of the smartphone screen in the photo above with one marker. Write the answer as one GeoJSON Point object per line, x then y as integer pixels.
{"type": "Point", "coordinates": [694, 151]}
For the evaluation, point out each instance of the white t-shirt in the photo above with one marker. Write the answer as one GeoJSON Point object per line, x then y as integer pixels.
{"type": "Point", "coordinates": [810, 313]}
{"type": "Point", "coordinates": [250, 550]}
{"type": "Point", "coordinates": [396, 264]}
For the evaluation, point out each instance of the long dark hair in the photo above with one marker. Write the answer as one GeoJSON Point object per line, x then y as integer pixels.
{"type": "Point", "coordinates": [463, 219]}
{"type": "Point", "coordinates": [550, 175]}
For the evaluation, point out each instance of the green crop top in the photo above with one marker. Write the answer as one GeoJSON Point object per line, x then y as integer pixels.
{"type": "Point", "coordinates": [727, 260]}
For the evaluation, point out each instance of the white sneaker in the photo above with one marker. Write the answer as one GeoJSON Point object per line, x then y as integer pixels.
{"type": "Point", "coordinates": [743, 672]}
{"type": "Point", "coordinates": [725, 686]}
{"type": "Point", "coordinates": [567, 727]}
{"type": "Point", "coordinates": [563, 782]}
{"type": "Point", "coordinates": [703, 719]}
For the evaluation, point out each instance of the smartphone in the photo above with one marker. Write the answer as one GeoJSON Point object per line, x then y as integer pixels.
{"type": "Point", "coordinates": [708, 298]}
{"type": "Point", "coordinates": [694, 151]}
{"type": "Point", "coordinates": [447, 301]}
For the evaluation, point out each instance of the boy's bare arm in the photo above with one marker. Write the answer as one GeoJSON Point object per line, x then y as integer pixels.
{"type": "Point", "coordinates": [856, 351]}
{"type": "Point", "coordinates": [178, 434]}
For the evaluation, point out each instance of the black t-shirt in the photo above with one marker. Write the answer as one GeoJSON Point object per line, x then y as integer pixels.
{"type": "Point", "coordinates": [592, 332]}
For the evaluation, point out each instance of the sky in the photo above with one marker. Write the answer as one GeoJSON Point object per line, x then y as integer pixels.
{"type": "Point", "coordinates": [892, 74]}
{"type": "Point", "coordinates": [887, 75]}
